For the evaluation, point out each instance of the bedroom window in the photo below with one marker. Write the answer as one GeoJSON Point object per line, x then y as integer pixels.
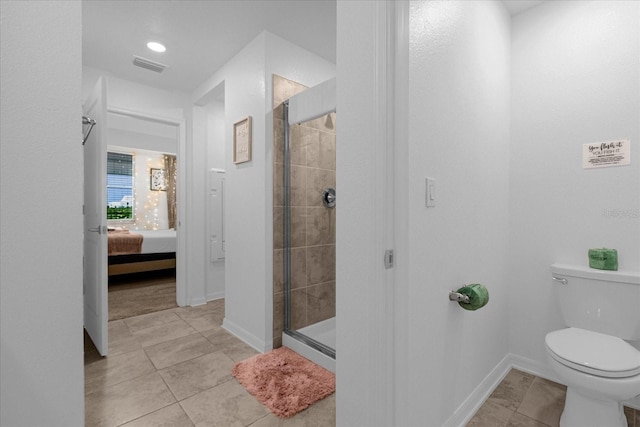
{"type": "Point", "coordinates": [120, 193]}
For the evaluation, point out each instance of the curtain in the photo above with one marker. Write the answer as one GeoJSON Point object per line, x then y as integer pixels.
{"type": "Point", "coordinates": [170, 176]}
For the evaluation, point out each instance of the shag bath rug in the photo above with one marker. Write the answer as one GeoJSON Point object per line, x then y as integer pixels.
{"type": "Point", "coordinates": [283, 381]}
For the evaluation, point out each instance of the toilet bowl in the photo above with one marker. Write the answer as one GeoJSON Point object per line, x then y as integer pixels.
{"type": "Point", "coordinates": [591, 356]}
{"type": "Point", "coordinates": [600, 371]}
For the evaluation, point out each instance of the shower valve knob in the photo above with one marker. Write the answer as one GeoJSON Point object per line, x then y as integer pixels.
{"type": "Point", "coordinates": [329, 197]}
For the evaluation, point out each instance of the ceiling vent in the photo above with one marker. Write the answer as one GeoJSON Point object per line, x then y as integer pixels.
{"type": "Point", "coordinates": [149, 65]}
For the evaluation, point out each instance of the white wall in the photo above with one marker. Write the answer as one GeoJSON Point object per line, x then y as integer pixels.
{"type": "Point", "coordinates": [41, 349]}
{"type": "Point", "coordinates": [245, 260]}
{"type": "Point", "coordinates": [249, 186]}
{"type": "Point", "coordinates": [215, 147]}
{"type": "Point", "coordinates": [138, 97]}
{"type": "Point", "coordinates": [575, 80]}
{"type": "Point", "coordinates": [458, 134]}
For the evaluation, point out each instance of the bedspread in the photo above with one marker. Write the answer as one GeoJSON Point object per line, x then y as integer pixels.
{"type": "Point", "coordinates": [122, 242]}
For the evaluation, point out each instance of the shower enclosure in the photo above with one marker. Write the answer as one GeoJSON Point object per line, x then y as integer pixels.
{"type": "Point", "coordinates": [304, 222]}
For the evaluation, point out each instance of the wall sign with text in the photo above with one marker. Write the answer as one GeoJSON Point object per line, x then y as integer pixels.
{"type": "Point", "coordinates": [605, 154]}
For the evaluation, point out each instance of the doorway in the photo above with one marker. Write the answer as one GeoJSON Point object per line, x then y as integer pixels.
{"type": "Point", "coordinates": [151, 210]}
{"type": "Point", "coordinates": [157, 144]}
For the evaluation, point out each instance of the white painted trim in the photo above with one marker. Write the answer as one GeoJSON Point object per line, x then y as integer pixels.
{"type": "Point", "coordinates": [215, 295]}
{"type": "Point", "coordinates": [181, 282]}
{"type": "Point", "coordinates": [401, 210]}
{"type": "Point", "coordinates": [476, 399]}
{"type": "Point", "coordinates": [245, 336]}
{"type": "Point", "coordinates": [197, 301]}
{"type": "Point", "coordinates": [365, 296]}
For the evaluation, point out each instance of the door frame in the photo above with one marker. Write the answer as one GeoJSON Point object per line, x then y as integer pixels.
{"type": "Point", "coordinates": [181, 283]}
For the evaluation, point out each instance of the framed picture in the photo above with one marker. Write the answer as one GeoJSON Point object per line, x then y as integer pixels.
{"type": "Point", "coordinates": [242, 141]}
{"type": "Point", "coordinates": [157, 180]}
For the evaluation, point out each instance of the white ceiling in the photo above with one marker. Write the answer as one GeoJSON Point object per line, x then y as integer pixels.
{"type": "Point", "coordinates": [517, 6]}
{"type": "Point", "coordinates": [202, 35]}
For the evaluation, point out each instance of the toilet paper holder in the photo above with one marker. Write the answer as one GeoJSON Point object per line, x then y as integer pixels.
{"type": "Point", "coordinates": [458, 297]}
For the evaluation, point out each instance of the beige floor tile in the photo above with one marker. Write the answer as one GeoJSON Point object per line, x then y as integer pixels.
{"type": "Point", "coordinates": [227, 405]}
{"type": "Point", "coordinates": [205, 321]}
{"type": "Point", "coordinates": [163, 333]}
{"type": "Point", "coordinates": [491, 415]}
{"type": "Point", "coordinates": [512, 389]}
{"type": "Point", "coordinates": [150, 320]}
{"type": "Point", "coordinates": [170, 416]}
{"type": "Point", "coordinates": [198, 310]}
{"type": "Point", "coordinates": [221, 339]}
{"type": "Point", "coordinates": [123, 345]}
{"type": "Point", "coordinates": [240, 352]}
{"type": "Point", "coordinates": [320, 414]}
{"type": "Point", "coordinates": [179, 350]}
{"type": "Point", "coordinates": [118, 328]}
{"type": "Point", "coordinates": [629, 413]}
{"type": "Point", "coordinates": [90, 351]}
{"type": "Point", "coordinates": [127, 401]}
{"type": "Point", "coordinates": [544, 402]}
{"type": "Point", "coordinates": [116, 369]}
{"type": "Point", "coordinates": [187, 313]}
{"type": "Point", "coordinates": [197, 375]}
{"type": "Point", "coordinates": [519, 420]}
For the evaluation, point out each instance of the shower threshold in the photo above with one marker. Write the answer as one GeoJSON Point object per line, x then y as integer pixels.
{"type": "Point", "coordinates": [322, 334]}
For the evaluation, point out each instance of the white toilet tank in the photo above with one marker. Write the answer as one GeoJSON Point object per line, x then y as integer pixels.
{"type": "Point", "coordinates": [599, 300]}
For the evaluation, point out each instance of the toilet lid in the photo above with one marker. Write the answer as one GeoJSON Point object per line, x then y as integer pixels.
{"type": "Point", "coordinates": [594, 353]}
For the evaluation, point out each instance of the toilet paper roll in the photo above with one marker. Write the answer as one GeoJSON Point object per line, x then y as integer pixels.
{"type": "Point", "coordinates": [478, 296]}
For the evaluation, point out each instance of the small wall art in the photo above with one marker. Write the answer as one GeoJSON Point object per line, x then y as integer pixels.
{"type": "Point", "coordinates": [242, 141]}
{"type": "Point", "coordinates": [157, 180]}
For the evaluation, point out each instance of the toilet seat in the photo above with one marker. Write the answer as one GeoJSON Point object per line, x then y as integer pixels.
{"type": "Point", "coordinates": [593, 353]}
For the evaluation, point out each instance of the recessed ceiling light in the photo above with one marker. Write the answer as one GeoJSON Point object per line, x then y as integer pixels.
{"type": "Point", "coordinates": [156, 47]}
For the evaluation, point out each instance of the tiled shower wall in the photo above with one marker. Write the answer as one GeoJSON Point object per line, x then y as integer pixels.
{"type": "Point", "coordinates": [313, 232]}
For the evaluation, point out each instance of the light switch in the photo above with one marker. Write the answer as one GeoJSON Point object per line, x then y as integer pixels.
{"type": "Point", "coordinates": [430, 196]}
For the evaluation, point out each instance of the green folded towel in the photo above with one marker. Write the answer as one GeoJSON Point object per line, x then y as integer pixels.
{"type": "Point", "coordinates": [603, 259]}
{"type": "Point", "coordinates": [478, 296]}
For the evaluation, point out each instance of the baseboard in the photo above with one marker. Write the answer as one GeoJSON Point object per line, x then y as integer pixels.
{"type": "Point", "coordinates": [470, 406]}
{"type": "Point", "coordinates": [477, 398]}
{"type": "Point", "coordinates": [215, 295]}
{"type": "Point", "coordinates": [245, 336]}
{"type": "Point", "coordinates": [198, 301]}
{"type": "Point", "coordinates": [532, 367]}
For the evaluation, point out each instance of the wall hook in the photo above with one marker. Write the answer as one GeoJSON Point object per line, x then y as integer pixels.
{"type": "Point", "coordinates": [87, 121]}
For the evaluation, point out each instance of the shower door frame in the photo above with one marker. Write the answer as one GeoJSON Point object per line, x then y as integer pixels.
{"type": "Point", "coordinates": [317, 345]}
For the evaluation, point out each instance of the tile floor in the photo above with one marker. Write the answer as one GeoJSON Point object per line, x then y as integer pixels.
{"type": "Point", "coordinates": [524, 400]}
{"type": "Point", "coordinates": [171, 368]}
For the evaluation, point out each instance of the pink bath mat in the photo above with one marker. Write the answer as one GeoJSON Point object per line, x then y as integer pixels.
{"type": "Point", "coordinates": [283, 381]}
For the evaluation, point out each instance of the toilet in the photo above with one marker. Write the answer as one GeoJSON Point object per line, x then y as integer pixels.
{"type": "Point", "coordinates": [601, 310]}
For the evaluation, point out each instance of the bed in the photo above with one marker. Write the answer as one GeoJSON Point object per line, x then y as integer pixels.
{"type": "Point", "coordinates": [138, 251]}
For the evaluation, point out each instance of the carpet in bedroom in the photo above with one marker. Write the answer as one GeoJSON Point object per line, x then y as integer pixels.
{"type": "Point", "coordinates": [141, 293]}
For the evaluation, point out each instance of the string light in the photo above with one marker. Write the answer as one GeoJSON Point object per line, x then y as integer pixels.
{"type": "Point", "coordinates": [148, 217]}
